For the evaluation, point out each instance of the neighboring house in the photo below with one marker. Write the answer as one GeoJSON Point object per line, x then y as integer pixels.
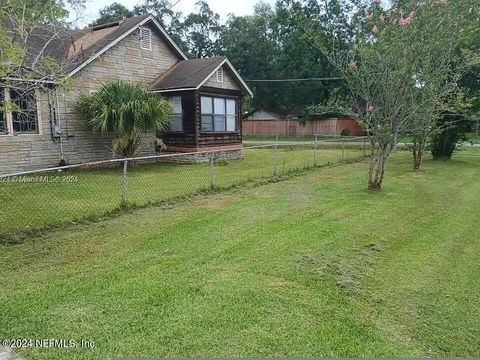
{"type": "Point", "coordinates": [206, 95]}
{"type": "Point", "coordinates": [267, 122]}
{"type": "Point", "coordinates": [266, 114]}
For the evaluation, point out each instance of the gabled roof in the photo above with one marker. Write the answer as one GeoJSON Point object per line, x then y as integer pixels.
{"type": "Point", "coordinates": [276, 112]}
{"type": "Point", "coordinates": [99, 39]}
{"type": "Point", "coordinates": [193, 74]}
{"type": "Point", "coordinates": [74, 49]}
{"type": "Point", "coordinates": [297, 111]}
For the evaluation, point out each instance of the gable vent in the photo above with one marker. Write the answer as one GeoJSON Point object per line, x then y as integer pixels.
{"type": "Point", "coordinates": [220, 75]}
{"type": "Point", "coordinates": [145, 38]}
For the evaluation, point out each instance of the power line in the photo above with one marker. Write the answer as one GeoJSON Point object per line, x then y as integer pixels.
{"type": "Point", "coordinates": [171, 7]}
{"type": "Point", "coordinates": [297, 80]}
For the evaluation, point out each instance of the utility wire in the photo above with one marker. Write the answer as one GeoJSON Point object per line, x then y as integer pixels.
{"type": "Point", "coordinates": [297, 80]}
{"type": "Point", "coordinates": [171, 7]}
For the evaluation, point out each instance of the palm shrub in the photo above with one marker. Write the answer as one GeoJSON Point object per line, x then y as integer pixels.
{"type": "Point", "coordinates": [128, 111]}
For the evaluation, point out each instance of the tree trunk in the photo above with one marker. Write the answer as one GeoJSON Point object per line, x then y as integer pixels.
{"type": "Point", "coordinates": [376, 173]}
{"type": "Point", "coordinates": [418, 152]}
{"type": "Point", "coordinates": [417, 160]}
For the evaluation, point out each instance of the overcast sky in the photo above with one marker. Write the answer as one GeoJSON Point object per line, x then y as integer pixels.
{"type": "Point", "coordinates": [222, 7]}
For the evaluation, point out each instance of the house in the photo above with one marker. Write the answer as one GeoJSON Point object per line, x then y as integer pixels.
{"type": "Point", "coordinates": [269, 122]}
{"type": "Point", "coordinates": [206, 95]}
{"type": "Point", "coordinates": [266, 114]}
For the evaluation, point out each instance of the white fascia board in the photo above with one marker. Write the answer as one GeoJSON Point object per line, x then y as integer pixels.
{"type": "Point", "coordinates": [172, 90]}
{"type": "Point", "coordinates": [239, 77]}
{"type": "Point", "coordinates": [168, 37]}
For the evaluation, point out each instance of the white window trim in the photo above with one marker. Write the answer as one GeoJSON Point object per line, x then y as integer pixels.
{"type": "Point", "coordinates": [180, 113]}
{"type": "Point", "coordinates": [213, 115]}
{"type": "Point", "coordinates": [9, 116]}
{"type": "Point", "coordinates": [142, 42]}
{"type": "Point", "coordinates": [39, 113]}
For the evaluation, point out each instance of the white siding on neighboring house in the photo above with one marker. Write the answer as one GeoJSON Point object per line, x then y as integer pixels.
{"type": "Point", "coordinates": [262, 115]}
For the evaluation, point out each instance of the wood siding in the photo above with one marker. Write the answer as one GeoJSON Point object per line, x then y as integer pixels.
{"type": "Point", "coordinates": [192, 137]}
{"type": "Point", "coordinates": [218, 139]}
{"type": "Point", "coordinates": [187, 138]}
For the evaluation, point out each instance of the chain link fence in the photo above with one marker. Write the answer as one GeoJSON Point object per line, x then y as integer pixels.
{"type": "Point", "coordinates": [50, 197]}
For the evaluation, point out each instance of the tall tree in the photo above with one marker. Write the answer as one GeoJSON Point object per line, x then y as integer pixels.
{"type": "Point", "coordinates": [391, 87]}
{"type": "Point", "coordinates": [111, 13]}
{"type": "Point", "coordinates": [297, 57]}
{"type": "Point", "coordinates": [272, 45]}
{"type": "Point", "coordinates": [248, 42]}
{"type": "Point", "coordinates": [22, 20]}
{"type": "Point", "coordinates": [439, 68]}
{"type": "Point", "coordinates": [162, 9]}
{"type": "Point", "coordinates": [200, 31]}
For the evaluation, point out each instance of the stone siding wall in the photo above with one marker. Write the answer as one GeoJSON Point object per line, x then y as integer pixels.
{"type": "Point", "coordinates": [125, 61]}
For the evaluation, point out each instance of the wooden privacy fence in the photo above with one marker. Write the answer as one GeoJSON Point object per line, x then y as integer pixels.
{"type": "Point", "coordinates": [332, 127]}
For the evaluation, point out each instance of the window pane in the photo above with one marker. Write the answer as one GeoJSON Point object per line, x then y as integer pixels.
{"type": "Point", "coordinates": [177, 123]}
{"type": "Point", "coordinates": [176, 102]}
{"type": "Point", "coordinates": [219, 106]}
{"type": "Point", "coordinates": [231, 107]}
{"type": "Point", "coordinates": [231, 123]}
{"type": "Point", "coordinates": [207, 123]}
{"type": "Point", "coordinates": [219, 123]}
{"type": "Point", "coordinates": [207, 107]}
{"type": "Point", "coordinates": [25, 117]}
{"type": "Point", "coordinates": [3, 127]}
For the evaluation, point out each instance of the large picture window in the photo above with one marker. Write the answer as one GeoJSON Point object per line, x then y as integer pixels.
{"type": "Point", "coordinates": [177, 119]}
{"type": "Point", "coordinates": [218, 114]}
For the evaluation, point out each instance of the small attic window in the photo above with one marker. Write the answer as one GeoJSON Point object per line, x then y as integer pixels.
{"type": "Point", "coordinates": [220, 75]}
{"type": "Point", "coordinates": [145, 38]}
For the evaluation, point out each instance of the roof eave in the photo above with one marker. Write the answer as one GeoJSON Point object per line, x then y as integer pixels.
{"type": "Point", "coordinates": [172, 90]}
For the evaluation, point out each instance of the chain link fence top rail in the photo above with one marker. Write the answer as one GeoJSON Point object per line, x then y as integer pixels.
{"type": "Point", "coordinates": [69, 194]}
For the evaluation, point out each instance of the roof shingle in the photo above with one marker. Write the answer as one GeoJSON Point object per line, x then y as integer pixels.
{"type": "Point", "coordinates": [69, 47]}
{"type": "Point", "coordinates": [187, 74]}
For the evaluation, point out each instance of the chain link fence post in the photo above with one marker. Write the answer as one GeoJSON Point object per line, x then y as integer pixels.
{"type": "Point", "coordinates": [274, 156]}
{"type": "Point", "coordinates": [212, 170]}
{"type": "Point", "coordinates": [123, 199]}
{"type": "Point", "coordinates": [315, 151]}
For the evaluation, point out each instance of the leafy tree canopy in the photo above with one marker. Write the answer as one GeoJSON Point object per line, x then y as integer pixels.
{"type": "Point", "coordinates": [112, 13]}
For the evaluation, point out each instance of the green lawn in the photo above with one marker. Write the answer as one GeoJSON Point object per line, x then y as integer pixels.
{"type": "Point", "coordinates": [311, 266]}
{"type": "Point", "coordinates": [98, 191]}
{"type": "Point", "coordinates": [473, 138]}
